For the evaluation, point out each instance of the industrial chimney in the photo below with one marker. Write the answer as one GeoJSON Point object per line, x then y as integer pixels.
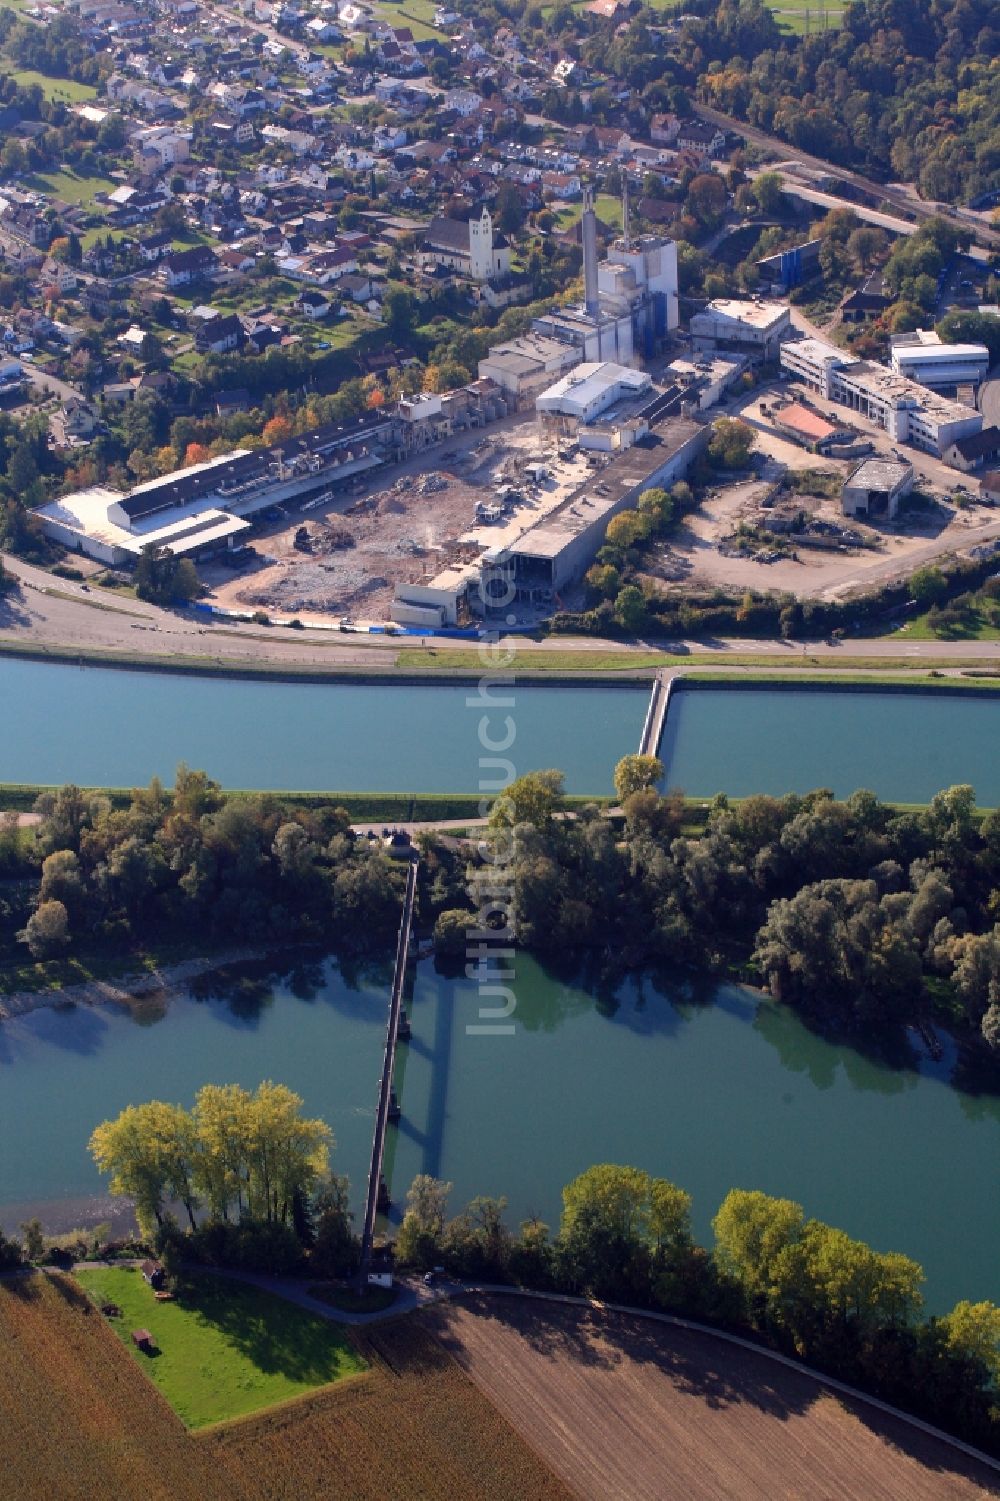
{"type": "Point", "coordinates": [588, 234]}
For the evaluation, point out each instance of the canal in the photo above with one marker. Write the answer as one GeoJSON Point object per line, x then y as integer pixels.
{"type": "Point", "coordinates": [110, 727]}
{"type": "Point", "coordinates": [902, 746]}
{"type": "Point", "coordinates": [713, 1090]}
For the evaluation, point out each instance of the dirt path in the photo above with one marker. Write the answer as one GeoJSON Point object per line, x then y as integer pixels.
{"type": "Point", "coordinates": [625, 1410]}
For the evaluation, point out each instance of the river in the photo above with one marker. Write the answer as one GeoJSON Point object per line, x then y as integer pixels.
{"type": "Point", "coordinates": [713, 1090]}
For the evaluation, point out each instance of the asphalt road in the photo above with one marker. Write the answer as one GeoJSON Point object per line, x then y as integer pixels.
{"type": "Point", "coordinates": [65, 618]}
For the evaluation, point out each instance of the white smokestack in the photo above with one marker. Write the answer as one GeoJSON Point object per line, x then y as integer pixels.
{"type": "Point", "coordinates": [588, 234]}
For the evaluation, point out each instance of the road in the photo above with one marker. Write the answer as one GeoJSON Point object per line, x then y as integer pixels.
{"type": "Point", "coordinates": [65, 619]}
{"type": "Point", "coordinates": [50, 383]}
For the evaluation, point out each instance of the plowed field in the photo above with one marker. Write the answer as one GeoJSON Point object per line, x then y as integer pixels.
{"type": "Point", "coordinates": [626, 1410]}
{"type": "Point", "coordinates": [80, 1422]}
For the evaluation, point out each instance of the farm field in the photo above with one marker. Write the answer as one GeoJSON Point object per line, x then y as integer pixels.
{"type": "Point", "coordinates": [624, 1410]}
{"type": "Point", "coordinates": [61, 90]}
{"type": "Point", "coordinates": [80, 1422]}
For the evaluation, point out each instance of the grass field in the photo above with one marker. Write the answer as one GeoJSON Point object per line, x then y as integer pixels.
{"type": "Point", "coordinates": [806, 17]}
{"type": "Point", "coordinates": [60, 90]}
{"type": "Point", "coordinates": [69, 187]}
{"type": "Point", "coordinates": [224, 1349]}
{"type": "Point", "coordinates": [418, 15]}
{"type": "Point", "coordinates": [539, 659]}
{"type": "Point", "coordinates": [608, 209]}
{"type": "Point", "coordinates": [981, 622]}
{"type": "Point", "coordinates": [80, 1422]}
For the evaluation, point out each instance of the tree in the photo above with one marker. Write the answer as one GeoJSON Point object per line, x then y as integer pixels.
{"type": "Point", "coordinates": [752, 1230]}
{"type": "Point", "coordinates": [657, 505]}
{"type": "Point", "coordinates": [419, 1240]}
{"type": "Point", "coordinates": [769, 192]}
{"type": "Point", "coordinates": [399, 311]}
{"type": "Point", "coordinates": [928, 585]}
{"type": "Point", "coordinates": [34, 1239]}
{"type": "Point", "coordinates": [277, 430]}
{"type": "Point", "coordinates": [336, 1249]}
{"type": "Point", "coordinates": [47, 931]}
{"type": "Point", "coordinates": [630, 609]}
{"type": "Point", "coordinates": [162, 578]}
{"type": "Point", "coordinates": [451, 931]}
{"type": "Point", "coordinates": [257, 1151]}
{"type": "Point", "coordinates": [533, 798]}
{"type": "Point", "coordinates": [604, 579]}
{"type": "Point", "coordinates": [626, 529]}
{"type": "Point", "coordinates": [974, 1330]}
{"type": "Point", "coordinates": [731, 444]}
{"type": "Point", "coordinates": [706, 198]}
{"type": "Point", "coordinates": [150, 1153]}
{"type": "Point", "coordinates": [62, 881]}
{"type": "Point", "coordinates": [866, 246]}
{"type": "Point", "coordinates": [635, 773]}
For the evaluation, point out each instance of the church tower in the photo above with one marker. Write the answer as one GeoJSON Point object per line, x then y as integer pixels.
{"type": "Point", "coordinates": [481, 246]}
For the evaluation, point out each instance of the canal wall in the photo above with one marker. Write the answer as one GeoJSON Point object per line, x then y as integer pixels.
{"type": "Point", "coordinates": [214, 667]}
{"type": "Point", "coordinates": [753, 682]}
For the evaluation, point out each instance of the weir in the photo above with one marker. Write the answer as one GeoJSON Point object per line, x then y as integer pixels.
{"type": "Point", "coordinates": [388, 1107]}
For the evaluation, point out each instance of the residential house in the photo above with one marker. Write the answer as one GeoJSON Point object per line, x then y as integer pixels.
{"type": "Point", "coordinates": [313, 304]}
{"type": "Point", "coordinates": [182, 267]}
{"type": "Point", "coordinates": [220, 335]}
{"type": "Point", "coordinates": [663, 129]}
{"type": "Point", "coordinates": [701, 138]}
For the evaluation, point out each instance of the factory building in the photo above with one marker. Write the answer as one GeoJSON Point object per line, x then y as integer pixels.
{"type": "Point", "coordinates": [523, 367]}
{"type": "Point", "coordinates": [202, 509]}
{"type": "Point", "coordinates": [875, 488]}
{"type": "Point", "coordinates": [909, 412]}
{"type": "Point", "coordinates": [922, 357]}
{"type": "Point", "coordinates": [588, 390]}
{"type": "Point", "coordinates": [629, 299]}
{"type": "Point", "coordinates": [559, 548]}
{"type": "Point", "coordinates": [744, 325]}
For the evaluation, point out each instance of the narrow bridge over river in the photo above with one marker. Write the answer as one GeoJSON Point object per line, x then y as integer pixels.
{"type": "Point", "coordinates": [377, 1192]}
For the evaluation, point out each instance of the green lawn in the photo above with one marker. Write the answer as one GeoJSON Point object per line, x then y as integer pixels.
{"type": "Point", "coordinates": [69, 187]}
{"type": "Point", "coordinates": [981, 622]}
{"type": "Point", "coordinates": [609, 211]}
{"type": "Point", "coordinates": [223, 1349]}
{"type": "Point", "coordinates": [806, 17]}
{"type": "Point", "coordinates": [418, 15]}
{"type": "Point", "coordinates": [61, 90]}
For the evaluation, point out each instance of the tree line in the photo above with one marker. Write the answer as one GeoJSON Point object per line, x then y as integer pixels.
{"type": "Point", "coordinates": [803, 1287]}
{"type": "Point", "coordinates": [864, 917]}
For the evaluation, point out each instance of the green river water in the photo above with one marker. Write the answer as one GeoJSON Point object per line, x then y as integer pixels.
{"type": "Point", "coordinates": [713, 1091]}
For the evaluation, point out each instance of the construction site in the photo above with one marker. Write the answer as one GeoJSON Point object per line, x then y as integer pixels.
{"type": "Point", "coordinates": [349, 555]}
